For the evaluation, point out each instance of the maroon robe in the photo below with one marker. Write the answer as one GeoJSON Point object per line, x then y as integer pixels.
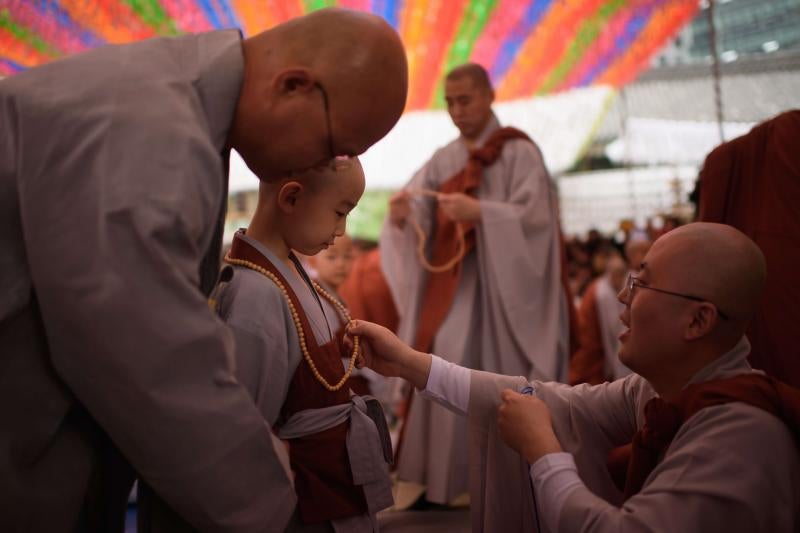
{"type": "Point", "coordinates": [753, 184]}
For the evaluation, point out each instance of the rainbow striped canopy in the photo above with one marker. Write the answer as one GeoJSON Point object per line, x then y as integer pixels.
{"type": "Point", "coordinates": [529, 47]}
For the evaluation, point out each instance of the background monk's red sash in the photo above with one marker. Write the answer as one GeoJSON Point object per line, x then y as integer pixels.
{"type": "Point", "coordinates": [663, 419]}
{"type": "Point", "coordinates": [323, 479]}
{"type": "Point", "coordinates": [441, 286]}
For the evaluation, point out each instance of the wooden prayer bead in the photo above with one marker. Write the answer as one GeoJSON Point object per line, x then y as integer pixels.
{"type": "Point", "coordinates": [299, 326]}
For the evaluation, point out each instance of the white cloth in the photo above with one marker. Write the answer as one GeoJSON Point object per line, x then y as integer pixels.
{"type": "Point", "coordinates": [448, 385]}
{"type": "Point", "coordinates": [553, 475]}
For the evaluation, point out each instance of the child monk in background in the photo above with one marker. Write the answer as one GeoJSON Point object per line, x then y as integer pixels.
{"type": "Point", "coordinates": [289, 350]}
{"type": "Point", "coordinates": [333, 266]}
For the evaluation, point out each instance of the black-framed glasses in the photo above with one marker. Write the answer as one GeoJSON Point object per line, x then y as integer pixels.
{"type": "Point", "coordinates": [633, 282]}
{"type": "Point", "coordinates": [336, 162]}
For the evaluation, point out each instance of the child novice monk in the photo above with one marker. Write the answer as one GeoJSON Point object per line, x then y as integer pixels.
{"type": "Point", "coordinates": [289, 350]}
{"type": "Point", "coordinates": [333, 265]}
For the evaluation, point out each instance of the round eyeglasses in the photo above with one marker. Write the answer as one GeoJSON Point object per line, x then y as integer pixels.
{"type": "Point", "coordinates": [633, 282]}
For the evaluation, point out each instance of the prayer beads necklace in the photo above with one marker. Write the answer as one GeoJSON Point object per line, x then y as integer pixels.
{"type": "Point", "coordinates": [421, 238]}
{"type": "Point", "coordinates": [299, 326]}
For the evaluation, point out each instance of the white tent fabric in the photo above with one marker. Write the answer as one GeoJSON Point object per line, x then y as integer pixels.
{"type": "Point", "coordinates": [561, 124]}
{"type": "Point", "coordinates": [601, 199]}
{"type": "Point", "coordinates": [653, 141]}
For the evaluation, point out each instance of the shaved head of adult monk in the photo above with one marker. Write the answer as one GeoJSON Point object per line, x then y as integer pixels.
{"type": "Point", "coordinates": [698, 287]}
{"type": "Point", "coordinates": [328, 84]}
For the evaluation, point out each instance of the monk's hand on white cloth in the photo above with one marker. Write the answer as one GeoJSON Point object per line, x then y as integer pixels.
{"type": "Point", "coordinates": [384, 353]}
{"type": "Point", "coordinates": [460, 207]}
{"type": "Point", "coordinates": [399, 208]}
{"type": "Point", "coordinates": [525, 425]}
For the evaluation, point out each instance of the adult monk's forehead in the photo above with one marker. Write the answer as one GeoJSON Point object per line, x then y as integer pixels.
{"type": "Point", "coordinates": [460, 85]}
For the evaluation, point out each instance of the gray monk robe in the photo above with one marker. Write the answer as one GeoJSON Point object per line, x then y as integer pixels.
{"type": "Point", "coordinates": [730, 467]}
{"type": "Point", "coordinates": [341, 475]}
{"type": "Point", "coordinates": [112, 193]}
{"type": "Point", "coordinates": [509, 314]}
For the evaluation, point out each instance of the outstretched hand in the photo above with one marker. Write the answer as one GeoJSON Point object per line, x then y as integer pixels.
{"type": "Point", "coordinates": [384, 353]}
{"type": "Point", "coordinates": [525, 425]}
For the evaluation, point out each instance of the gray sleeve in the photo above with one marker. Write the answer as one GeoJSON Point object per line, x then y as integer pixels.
{"type": "Point", "coordinates": [589, 421]}
{"type": "Point", "coordinates": [603, 415]}
{"type": "Point", "coordinates": [259, 319]}
{"type": "Point", "coordinates": [115, 227]}
{"type": "Point", "coordinates": [528, 207]}
{"type": "Point", "coordinates": [715, 476]}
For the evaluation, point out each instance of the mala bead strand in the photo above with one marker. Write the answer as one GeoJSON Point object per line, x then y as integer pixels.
{"type": "Point", "coordinates": [435, 269]}
{"type": "Point", "coordinates": [299, 326]}
{"type": "Point", "coordinates": [421, 238]}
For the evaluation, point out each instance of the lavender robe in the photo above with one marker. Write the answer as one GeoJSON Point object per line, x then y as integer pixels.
{"type": "Point", "coordinates": [509, 314]}
{"type": "Point", "coordinates": [608, 310]}
{"type": "Point", "coordinates": [112, 186]}
{"type": "Point", "coordinates": [730, 467]}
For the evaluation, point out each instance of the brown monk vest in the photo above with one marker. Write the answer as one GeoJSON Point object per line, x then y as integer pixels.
{"type": "Point", "coordinates": [663, 420]}
{"type": "Point", "coordinates": [323, 479]}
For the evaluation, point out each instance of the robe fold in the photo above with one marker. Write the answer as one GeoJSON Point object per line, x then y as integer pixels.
{"type": "Point", "coordinates": [715, 474]}
{"type": "Point", "coordinates": [509, 313]}
{"type": "Point", "coordinates": [334, 484]}
{"type": "Point", "coordinates": [753, 184]}
{"type": "Point", "coordinates": [112, 187]}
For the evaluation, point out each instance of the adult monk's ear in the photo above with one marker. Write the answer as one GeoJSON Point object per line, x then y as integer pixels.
{"type": "Point", "coordinates": [704, 319]}
{"type": "Point", "coordinates": [294, 80]}
{"type": "Point", "coordinates": [288, 195]}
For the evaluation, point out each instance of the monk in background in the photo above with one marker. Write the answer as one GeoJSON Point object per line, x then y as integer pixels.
{"type": "Point", "coordinates": [488, 290]}
{"type": "Point", "coordinates": [365, 289]}
{"type": "Point", "coordinates": [596, 359]}
{"type": "Point", "coordinates": [753, 183]}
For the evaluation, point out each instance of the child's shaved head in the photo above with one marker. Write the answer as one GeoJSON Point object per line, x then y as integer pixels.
{"type": "Point", "coordinates": [309, 210]}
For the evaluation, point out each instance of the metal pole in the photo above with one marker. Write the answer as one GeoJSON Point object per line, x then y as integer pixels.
{"type": "Point", "coordinates": [712, 43]}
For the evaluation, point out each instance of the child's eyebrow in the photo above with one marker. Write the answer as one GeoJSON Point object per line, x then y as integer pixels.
{"type": "Point", "coordinates": [351, 205]}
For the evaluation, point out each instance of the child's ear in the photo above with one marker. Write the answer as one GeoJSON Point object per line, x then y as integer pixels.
{"type": "Point", "coordinates": [288, 196]}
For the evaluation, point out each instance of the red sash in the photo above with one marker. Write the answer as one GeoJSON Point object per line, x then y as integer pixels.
{"type": "Point", "coordinates": [663, 420]}
{"type": "Point", "coordinates": [323, 479]}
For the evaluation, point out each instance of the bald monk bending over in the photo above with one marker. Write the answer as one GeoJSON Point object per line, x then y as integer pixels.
{"type": "Point", "coordinates": [112, 202]}
{"type": "Point", "coordinates": [712, 440]}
